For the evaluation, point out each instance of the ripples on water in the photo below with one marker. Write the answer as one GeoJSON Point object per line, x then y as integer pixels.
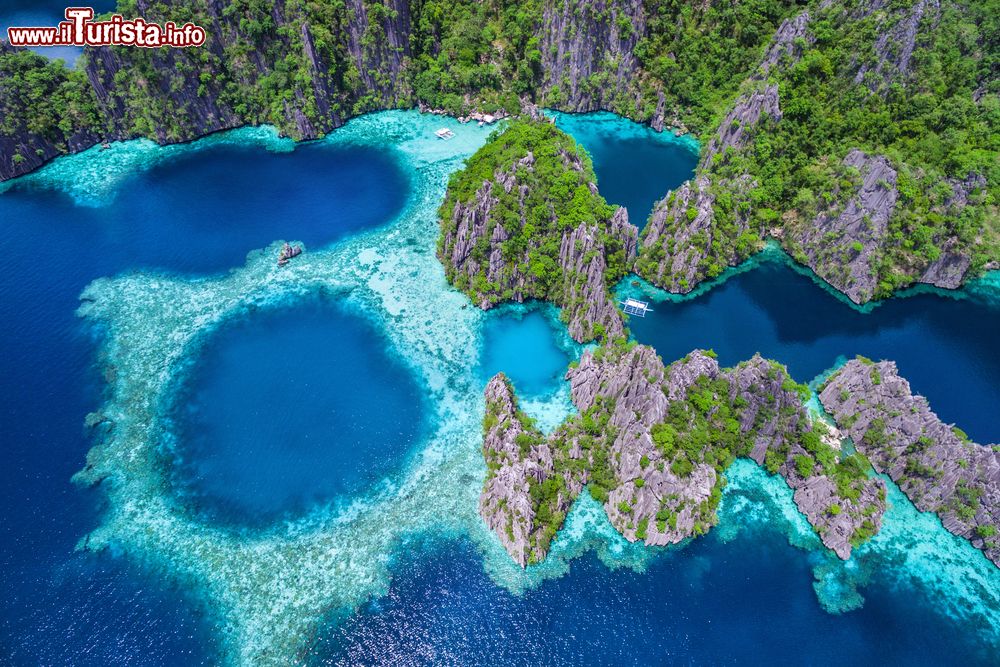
{"type": "Point", "coordinates": [746, 601]}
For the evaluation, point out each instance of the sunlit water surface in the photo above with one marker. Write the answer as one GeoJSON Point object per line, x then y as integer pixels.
{"type": "Point", "coordinates": [732, 596]}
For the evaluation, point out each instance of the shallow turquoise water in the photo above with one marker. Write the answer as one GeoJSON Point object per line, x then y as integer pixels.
{"type": "Point", "coordinates": [190, 210]}
{"type": "Point", "coordinates": [527, 347]}
{"type": "Point", "coordinates": [406, 568]}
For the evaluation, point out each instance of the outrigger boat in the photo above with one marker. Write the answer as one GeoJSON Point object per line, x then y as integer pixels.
{"type": "Point", "coordinates": [288, 252]}
{"type": "Point", "coordinates": [635, 307]}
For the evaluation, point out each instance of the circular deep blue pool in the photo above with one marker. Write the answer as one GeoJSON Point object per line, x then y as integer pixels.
{"type": "Point", "coordinates": [290, 407]}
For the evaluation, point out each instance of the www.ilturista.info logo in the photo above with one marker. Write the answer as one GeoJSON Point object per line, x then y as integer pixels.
{"type": "Point", "coordinates": [80, 30]}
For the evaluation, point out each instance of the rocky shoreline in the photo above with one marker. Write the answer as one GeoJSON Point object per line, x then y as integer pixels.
{"type": "Point", "coordinates": [846, 237]}
{"type": "Point", "coordinates": [332, 63]}
{"type": "Point", "coordinates": [537, 228]}
{"type": "Point", "coordinates": [933, 463]}
{"type": "Point", "coordinates": [652, 444]}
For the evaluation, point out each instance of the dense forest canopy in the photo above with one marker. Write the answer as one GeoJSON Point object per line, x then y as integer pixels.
{"type": "Point", "coordinates": [914, 81]}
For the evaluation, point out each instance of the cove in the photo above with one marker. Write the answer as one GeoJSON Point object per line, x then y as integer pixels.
{"type": "Point", "coordinates": [528, 345]}
{"type": "Point", "coordinates": [290, 407]}
{"type": "Point", "coordinates": [944, 344]}
{"type": "Point", "coordinates": [635, 165]}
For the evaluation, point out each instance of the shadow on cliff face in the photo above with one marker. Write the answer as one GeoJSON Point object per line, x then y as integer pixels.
{"type": "Point", "coordinates": [944, 346]}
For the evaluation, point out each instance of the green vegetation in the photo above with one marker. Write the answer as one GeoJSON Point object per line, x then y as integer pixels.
{"type": "Point", "coordinates": [699, 53]}
{"type": "Point", "coordinates": [321, 62]}
{"type": "Point", "coordinates": [44, 98]}
{"type": "Point", "coordinates": [548, 496]}
{"type": "Point", "coordinates": [938, 122]}
{"type": "Point", "coordinates": [328, 61]}
{"type": "Point", "coordinates": [550, 197]}
{"type": "Point", "coordinates": [716, 420]}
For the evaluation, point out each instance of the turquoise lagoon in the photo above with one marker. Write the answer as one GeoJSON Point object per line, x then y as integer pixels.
{"type": "Point", "coordinates": [384, 559]}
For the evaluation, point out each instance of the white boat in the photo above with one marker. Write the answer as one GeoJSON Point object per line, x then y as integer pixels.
{"type": "Point", "coordinates": [636, 307]}
{"type": "Point", "coordinates": [444, 133]}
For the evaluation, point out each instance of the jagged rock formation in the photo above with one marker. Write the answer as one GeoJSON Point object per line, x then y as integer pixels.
{"type": "Point", "coordinates": [307, 68]}
{"type": "Point", "coordinates": [653, 442]}
{"type": "Point", "coordinates": [858, 237]}
{"type": "Point", "coordinates": [953, 264]}
{"type": "Point", "coordinates": [894, 46]}
{"type": "Point", "coordinates": [745, 114]}
{"type": "Point", "coordinates": [933, 463]}
{"type": "Point", "coordinates": [521, 233]}
{"type": "Point", "coordinates": [588, 53]}
{"type": "Point", "coordinates": [787, 44]}
{"type": "Point", "coordinates": [842, 242]}
{"type": "Point", "coordinates": [688, 238]}
{"type": "Point", "coordinates": [518, 458]}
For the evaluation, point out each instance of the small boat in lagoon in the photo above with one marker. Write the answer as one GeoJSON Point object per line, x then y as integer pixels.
{"type": "Point", "coordinates": [287, 252]}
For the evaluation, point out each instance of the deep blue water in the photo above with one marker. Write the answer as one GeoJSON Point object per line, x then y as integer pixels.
{"type": "Point", "coordinates": [746, 602]}
{"type": "Point", "coordinates": [750, 600]}
{"type": "Point", "coordinates": [947, 348]}
{"type": "Point", "coordinates": [198, 215]}
{"type": "Point", "coordinates": [322, 411]}
{"type": "Point", "coordinates": [524, 346]}
{"type": "Point", "coordinates": [634, 164]}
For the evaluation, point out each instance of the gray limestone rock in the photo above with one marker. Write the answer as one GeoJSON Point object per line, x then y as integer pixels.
{"type": "Point", "coordinates": [932, 462]}
{"type": "Point", "coordinates": [746, 113]}
{"type": "Point", "coordinates": [588, 58]}
{"type": "Point", "coordinates": [651, 490]}
{"type": "Point", "coordinates": [845, 239]}
{"type": "Point", "coordinates": [583, 252]}
{"type": "Point", "coordinates": [506, 503]}
{"type": "Point", "coordinates": [952, 266]}
{"type": "Point", "coordinates": [895, 44]}
{"type": "Point", "coordinates": [785, 45]}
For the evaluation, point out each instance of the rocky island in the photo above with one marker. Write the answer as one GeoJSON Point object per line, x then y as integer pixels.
{"type": "Point", "coordinates": [935, 464]}
{"type": "Point", "coordinates": [858, 134]}
{"type": "Point", "coordinates": [524, 220]}
{"type": "Point", "coordinates": [652, 443]}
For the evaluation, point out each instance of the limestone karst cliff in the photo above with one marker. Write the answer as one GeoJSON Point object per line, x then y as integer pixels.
{"type": "Point", "coordinates": [784, 98]}
{"type": "Point", "coordinates": [652, 443]}
{"type": "Point", "coordinates": [524, 220]}
{"type": "Point", "coordinates": [933, 463]}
